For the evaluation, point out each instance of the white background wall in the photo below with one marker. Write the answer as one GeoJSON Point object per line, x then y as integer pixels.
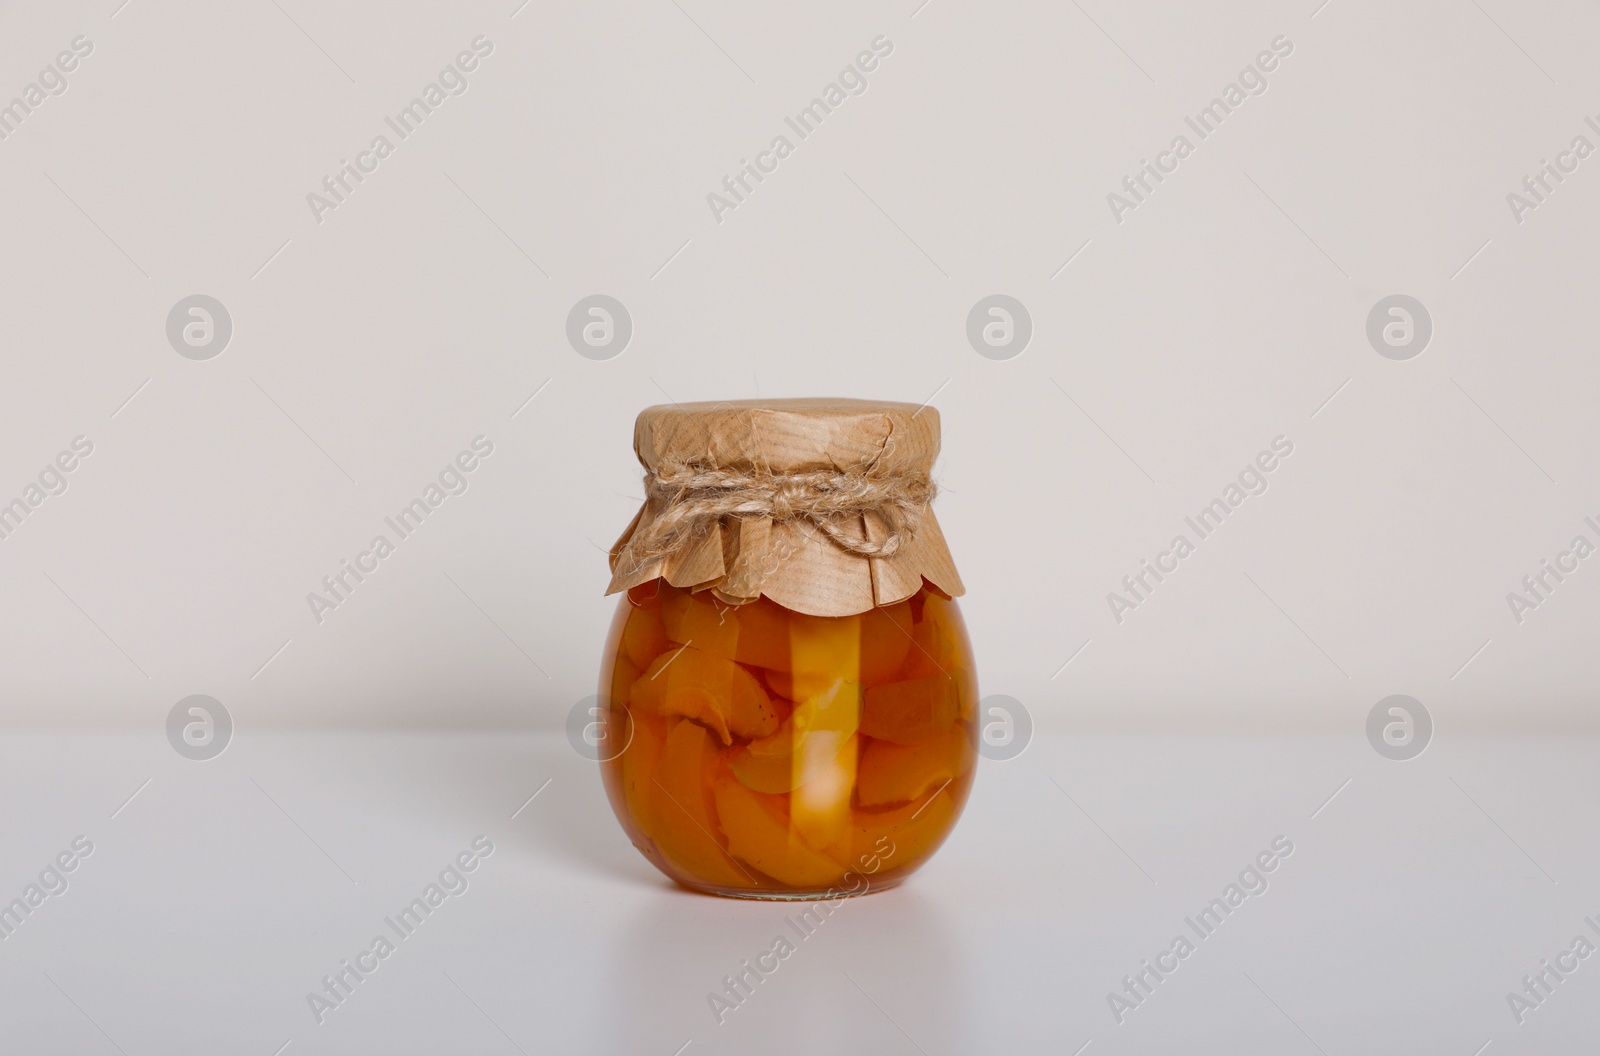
{"type": "Point", "coordinates": [1227, 309]}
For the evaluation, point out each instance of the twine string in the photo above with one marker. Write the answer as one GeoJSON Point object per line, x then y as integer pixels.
{"type": "Point", "coordinates": [684, 499]}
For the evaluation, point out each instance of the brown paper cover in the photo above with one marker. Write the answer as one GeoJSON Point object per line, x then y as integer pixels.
{"type": "Point", "coordinates": [793, 563]}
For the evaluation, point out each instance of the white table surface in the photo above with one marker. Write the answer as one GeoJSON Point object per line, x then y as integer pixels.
{"type": "Point", "coordinates": [216, 899]}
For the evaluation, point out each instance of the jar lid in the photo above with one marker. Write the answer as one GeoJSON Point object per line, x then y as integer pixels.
{"type": "Point", "coordinates": [820, 505]}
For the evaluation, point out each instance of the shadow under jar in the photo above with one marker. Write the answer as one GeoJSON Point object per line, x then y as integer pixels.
{"type": "Point", "coordinates": [790, 699]}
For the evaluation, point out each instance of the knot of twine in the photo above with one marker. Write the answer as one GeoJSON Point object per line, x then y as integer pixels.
{"type": "Point", "coordinates": [688, 498]}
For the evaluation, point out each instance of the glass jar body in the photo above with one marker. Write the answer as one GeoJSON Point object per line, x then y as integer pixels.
{"type": "Point", "coordinates": [758, 752]}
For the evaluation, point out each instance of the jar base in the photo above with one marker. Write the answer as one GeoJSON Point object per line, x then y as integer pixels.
{"type": "Point", "coordinates": [828, 895]}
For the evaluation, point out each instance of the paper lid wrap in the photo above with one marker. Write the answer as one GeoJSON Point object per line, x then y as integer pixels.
{"type": "Point", "coordinates": [792, 562]}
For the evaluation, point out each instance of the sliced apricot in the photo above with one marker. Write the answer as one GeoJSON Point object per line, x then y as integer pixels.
{"type": "Point", "coordinates": [910, 712]}
{"type": "Point", "coordinates": [756, 633]}
{"type": "Point", "coordinates": [685, 827]}
{"type": "Point", "coordinates": [759, 834]}
{"type": "Point", "coordinates": [764, 634]}
{"type": "Point", "coordinates": [898, 773]}
{"type": "Point", "coordinates": [767, 763]}
{"type": "Point", "coordinates": [781, 683]}
{"type": "Point", "coordinates": [643, 637]}
{"type": "Point", "coordinates": [819, 809]}
{"type": "Point", "coordinates": [639, 761]}
{"type": "Point", "coordinates": [902, 836]}
{"type": "Point", "coordinates": [932, 651]}
{"type": "Point", "coordinates": [826, 655]}
{"type": "Point", "coordinates": [704, 622]}
{"type": "Point", "coordinates": [708, 689]}
{"type": "Point", "coordinates": [786, 760]}
{"type": "Point", "coordinates": [885, 641]}
{"type": "Point", "coordinates": [801, 686]}
{"type": "Point", "coordinates": [953, 653]}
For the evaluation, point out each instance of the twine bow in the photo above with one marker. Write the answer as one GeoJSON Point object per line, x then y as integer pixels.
{"type": "Point", "coordinates": [688, 498]}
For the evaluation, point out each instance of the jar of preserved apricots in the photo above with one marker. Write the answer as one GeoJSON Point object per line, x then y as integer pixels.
{"type": "Point", "coordinates": [790, 705]}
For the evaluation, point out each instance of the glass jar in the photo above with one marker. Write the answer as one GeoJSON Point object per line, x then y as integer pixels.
{"type": "Point", "coordinates": [756, 749]}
